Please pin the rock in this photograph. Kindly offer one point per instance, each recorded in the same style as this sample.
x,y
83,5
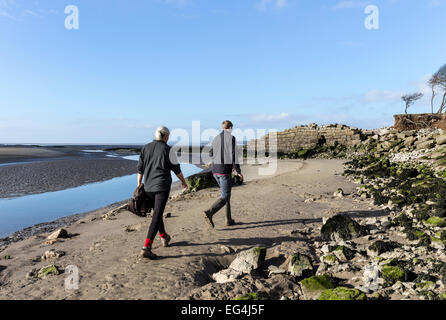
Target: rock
x,y
409,141
227,275
425,285
440,140
393,274
272,270
338,193
58,234
322,269
341,227
245,262
51,269
330,260
379,247
342,293
344,253
227,249
436,221
313,286
254,296
167,215
52,254
425,145
300,266
50,242
249,260
32,274
201,181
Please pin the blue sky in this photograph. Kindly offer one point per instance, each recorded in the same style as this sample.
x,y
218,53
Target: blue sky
x,y
273,64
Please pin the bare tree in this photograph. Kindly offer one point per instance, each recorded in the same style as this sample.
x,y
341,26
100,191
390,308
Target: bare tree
x,y
438,83
409,99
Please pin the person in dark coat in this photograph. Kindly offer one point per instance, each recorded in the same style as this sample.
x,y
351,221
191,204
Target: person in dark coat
x,y
155,163
224,162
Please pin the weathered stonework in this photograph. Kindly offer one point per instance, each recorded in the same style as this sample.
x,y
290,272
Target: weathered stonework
x,y
305,137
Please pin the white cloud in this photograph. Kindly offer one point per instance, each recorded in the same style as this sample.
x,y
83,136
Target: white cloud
x,y
262,117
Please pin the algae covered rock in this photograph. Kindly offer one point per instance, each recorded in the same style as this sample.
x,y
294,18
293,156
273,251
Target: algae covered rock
x,y
379,247
342,293
344,253
436,221
300,266
397,270
51,269
341,227
202,180
253,296
313,286
330,259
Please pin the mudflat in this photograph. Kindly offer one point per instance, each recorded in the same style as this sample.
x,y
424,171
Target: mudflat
x,y
32,170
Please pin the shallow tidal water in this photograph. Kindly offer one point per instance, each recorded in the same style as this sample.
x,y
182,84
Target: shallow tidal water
x,y
22,212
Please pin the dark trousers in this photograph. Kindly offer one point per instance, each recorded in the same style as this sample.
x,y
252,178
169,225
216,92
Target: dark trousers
x,y
157,224
225,183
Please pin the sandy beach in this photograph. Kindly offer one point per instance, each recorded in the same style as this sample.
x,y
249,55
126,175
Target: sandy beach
x,y
282,212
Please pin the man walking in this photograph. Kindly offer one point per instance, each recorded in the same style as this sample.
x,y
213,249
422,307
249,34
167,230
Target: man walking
x,y
223,154
155,163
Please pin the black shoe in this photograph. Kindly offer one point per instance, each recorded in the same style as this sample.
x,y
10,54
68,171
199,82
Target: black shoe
x,y
208,220
230,222
166,241
147,253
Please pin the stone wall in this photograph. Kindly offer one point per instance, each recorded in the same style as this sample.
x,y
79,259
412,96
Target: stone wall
x,y
419,121
305,137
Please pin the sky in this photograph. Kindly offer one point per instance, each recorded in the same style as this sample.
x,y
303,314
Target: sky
x,y
263,64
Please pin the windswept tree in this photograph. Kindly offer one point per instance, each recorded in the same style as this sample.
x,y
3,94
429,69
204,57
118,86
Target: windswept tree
x,y
409,99
438,85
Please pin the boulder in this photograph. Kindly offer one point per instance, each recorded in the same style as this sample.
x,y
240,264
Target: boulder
x,y
51,269
52,254
330,260
342,293
425,145
300,266
380,246
409,141
201,181
341,227
227,275
249,260
58,234
313,286
245,262
344,253
339,193
440,140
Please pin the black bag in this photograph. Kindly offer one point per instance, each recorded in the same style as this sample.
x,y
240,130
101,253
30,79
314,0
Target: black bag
x,y
237,181
141,203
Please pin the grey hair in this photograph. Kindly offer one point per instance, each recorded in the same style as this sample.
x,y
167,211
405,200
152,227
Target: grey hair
x,y
161,132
